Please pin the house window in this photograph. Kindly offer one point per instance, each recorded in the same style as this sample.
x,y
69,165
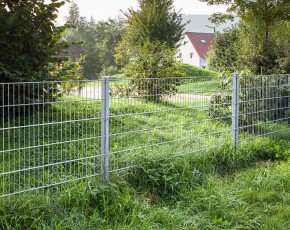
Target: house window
x,y
203,41
191,55
180,55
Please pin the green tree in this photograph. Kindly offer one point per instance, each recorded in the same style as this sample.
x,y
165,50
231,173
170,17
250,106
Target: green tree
x,y
98,40
28,38
149,46
260,19
223,55
73,23
154,21
29,44
109,35
153,72
261,58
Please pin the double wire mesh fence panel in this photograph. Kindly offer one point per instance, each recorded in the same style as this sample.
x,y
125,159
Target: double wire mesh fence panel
x,y
264,107
50,134
55,133
163,118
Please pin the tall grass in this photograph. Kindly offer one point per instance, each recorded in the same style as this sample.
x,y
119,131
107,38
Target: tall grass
x,y
223,189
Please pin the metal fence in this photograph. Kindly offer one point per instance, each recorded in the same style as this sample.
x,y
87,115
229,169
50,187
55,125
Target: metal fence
x,y
54,133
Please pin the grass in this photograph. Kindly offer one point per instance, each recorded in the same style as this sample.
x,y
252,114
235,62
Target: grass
x,y
202,86
189,193
216,188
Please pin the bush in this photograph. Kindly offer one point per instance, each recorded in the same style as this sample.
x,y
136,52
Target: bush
x,y
220,107
153,72
194,71
18,98
262,98
109,71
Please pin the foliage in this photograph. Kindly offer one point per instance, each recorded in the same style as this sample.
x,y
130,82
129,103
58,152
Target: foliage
x,y
98,40
58,70
29,44
261,58
273,100
154,21
220,107
110,71
188,70
209,200
153,72
256,96
262,49
223,55
148,48
29,38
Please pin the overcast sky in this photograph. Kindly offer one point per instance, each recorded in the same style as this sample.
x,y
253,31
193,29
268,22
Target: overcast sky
x,y
103,9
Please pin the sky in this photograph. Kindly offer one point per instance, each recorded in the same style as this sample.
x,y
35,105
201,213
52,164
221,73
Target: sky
x,y
103,9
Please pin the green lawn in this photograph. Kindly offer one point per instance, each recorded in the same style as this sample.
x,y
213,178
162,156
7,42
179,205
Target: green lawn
x,y
203,86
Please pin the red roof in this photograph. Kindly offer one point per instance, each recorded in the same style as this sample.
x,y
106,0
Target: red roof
x,y
201,42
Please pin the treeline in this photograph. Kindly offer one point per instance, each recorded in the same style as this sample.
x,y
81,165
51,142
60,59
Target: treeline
x,y
98,41
259,43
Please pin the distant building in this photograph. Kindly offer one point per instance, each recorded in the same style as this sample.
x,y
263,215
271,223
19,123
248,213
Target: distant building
x,y
194,48
73,51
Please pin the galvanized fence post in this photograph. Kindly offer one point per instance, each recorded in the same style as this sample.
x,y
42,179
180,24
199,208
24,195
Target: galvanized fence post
x,y
235,109
105,127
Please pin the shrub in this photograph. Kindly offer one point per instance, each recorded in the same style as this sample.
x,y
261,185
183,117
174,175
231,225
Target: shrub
x,y
220,107
262,98
194,71
153,73
18,98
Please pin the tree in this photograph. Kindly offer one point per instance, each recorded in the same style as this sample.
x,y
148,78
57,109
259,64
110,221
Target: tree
x,y
73,23
261,58
98,40
28,37
148,47
109,35
154,21
260,19
29,44
223,55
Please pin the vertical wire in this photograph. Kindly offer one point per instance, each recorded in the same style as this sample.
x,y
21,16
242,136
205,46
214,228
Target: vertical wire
x,y
38,132
3,138
54,141
66,108
29,133
14,135
53,157
86,134
58,112
49,148
73,124
43,133
93,145
8,134
35,134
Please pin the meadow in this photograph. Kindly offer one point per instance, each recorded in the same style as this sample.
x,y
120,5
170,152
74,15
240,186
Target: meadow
x,y
187,174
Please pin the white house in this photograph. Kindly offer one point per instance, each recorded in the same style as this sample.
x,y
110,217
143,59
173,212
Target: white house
x,y
194,48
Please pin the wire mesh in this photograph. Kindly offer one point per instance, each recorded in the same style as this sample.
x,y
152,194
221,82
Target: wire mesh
x,y
163,118
52,131
264,107
50,134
